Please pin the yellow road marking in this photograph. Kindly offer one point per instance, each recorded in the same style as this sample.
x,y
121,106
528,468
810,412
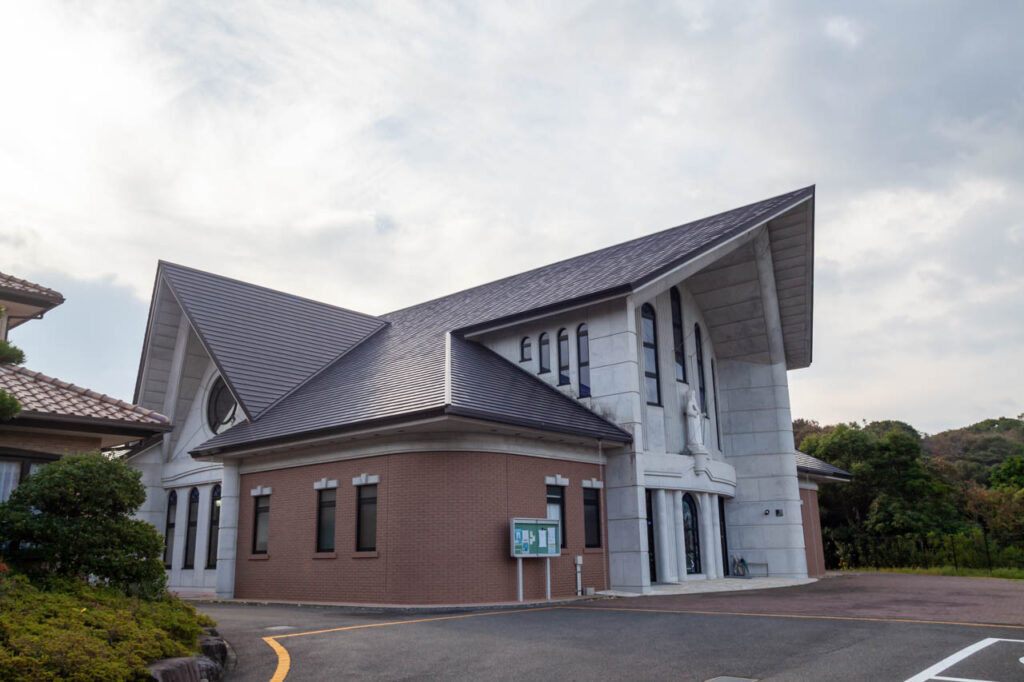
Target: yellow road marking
x,y
794,615
284,660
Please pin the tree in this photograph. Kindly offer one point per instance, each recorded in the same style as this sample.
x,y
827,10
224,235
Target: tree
x,y
9,355
1009,474
72,518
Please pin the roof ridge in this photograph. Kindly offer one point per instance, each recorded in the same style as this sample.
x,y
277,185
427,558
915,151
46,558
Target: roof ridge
x,y
86,392
225,278
41,290
596,251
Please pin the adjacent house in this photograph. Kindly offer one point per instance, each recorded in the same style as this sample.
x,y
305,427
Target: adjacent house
x,y
57,418
636,394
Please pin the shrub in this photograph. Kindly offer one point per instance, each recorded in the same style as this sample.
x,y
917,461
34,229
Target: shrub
x,y
74,631
72,519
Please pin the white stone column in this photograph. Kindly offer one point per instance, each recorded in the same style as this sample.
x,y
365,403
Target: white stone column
x,y
707,532
716,529
664,539
677,519
227,540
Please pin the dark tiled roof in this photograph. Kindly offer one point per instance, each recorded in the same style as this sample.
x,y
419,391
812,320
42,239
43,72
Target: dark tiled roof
x,y
401,369
45,396
9,283
265,342
812,465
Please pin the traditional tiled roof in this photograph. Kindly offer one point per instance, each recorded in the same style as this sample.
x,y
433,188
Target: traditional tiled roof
x,y
404,368
22,286
44,396
812,465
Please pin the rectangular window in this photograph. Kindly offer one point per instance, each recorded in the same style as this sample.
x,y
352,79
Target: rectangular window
x,y
366,519
556,509
677,336
10,476
325,505
261,525
592,516
583,359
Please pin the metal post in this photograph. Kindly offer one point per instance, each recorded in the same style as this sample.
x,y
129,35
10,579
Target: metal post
x,y
519,570
547,571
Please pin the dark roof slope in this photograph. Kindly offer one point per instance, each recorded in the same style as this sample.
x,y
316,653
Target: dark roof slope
x,y
812,465
487,386
265,342
400,371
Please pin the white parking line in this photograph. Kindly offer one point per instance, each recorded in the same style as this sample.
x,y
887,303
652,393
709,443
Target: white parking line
x,y
932,673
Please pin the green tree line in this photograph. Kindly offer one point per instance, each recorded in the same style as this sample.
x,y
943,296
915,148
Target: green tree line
x,y
956,498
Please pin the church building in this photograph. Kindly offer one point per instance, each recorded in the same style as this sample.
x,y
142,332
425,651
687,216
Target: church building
x,y
637,395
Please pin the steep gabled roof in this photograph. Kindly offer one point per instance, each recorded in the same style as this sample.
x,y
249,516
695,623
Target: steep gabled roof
x,y
265,342
401,372
42,396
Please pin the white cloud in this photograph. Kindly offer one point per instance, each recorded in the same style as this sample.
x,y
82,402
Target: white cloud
x,y
375,156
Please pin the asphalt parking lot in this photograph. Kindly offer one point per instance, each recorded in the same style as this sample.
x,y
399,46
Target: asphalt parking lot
x,y
864,627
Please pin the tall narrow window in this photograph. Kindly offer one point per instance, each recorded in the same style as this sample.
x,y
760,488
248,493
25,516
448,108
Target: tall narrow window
x,y
366,519
691,534
592,517
583,359
525,349
191,528
563,357
261,524
172,512
714,396
544,349
214,535
325,504
701,385
556,509
677,336
650,341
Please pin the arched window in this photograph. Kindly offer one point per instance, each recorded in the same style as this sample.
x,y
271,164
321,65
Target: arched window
x,y
583,359
563,357
525,349
221,406
701,385
691,534
545,353
172,512
677,335
190,529
650,340
214,535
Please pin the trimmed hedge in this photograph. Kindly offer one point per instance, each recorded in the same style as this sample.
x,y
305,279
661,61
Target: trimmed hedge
x,y
73,631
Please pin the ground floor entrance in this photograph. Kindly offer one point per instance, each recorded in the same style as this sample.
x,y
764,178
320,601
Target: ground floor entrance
x,y
686,536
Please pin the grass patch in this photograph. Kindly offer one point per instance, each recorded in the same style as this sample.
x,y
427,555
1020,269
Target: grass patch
x,y
69,630
1011,573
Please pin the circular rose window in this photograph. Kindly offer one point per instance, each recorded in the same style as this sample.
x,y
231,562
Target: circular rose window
x,y
220,410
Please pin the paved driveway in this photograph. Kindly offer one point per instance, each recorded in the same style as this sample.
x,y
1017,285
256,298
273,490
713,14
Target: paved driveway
x,y
864,627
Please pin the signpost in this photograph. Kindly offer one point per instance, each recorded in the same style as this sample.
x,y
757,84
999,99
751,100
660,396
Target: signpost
x,y
534,538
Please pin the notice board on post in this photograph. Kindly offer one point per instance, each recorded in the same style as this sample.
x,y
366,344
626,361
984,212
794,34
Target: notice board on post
x,y
532,538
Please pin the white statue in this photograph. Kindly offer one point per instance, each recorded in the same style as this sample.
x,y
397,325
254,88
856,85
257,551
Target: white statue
x,y
694,423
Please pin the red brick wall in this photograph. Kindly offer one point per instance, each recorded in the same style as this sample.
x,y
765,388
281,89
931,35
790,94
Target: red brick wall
x,y
442,531
812,533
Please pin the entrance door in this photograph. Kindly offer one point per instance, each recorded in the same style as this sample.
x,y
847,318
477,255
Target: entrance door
x,y
725,540
650,537
691,533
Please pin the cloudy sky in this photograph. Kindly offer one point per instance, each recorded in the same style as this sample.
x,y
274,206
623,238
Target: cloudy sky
x,y
374,156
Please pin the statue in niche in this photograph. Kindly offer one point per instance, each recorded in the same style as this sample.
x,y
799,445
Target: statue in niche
x,y
694,423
